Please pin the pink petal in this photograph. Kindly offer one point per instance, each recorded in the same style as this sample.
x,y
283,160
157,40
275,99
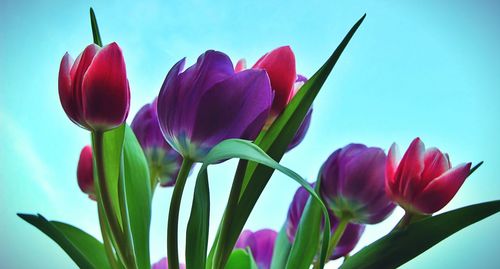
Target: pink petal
x,y
240,65
441,190
106,94
407,177
391,167
280,66
65,91
436,163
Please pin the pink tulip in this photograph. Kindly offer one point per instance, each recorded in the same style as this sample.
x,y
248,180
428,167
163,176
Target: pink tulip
x,y
94,89
423,181
85,172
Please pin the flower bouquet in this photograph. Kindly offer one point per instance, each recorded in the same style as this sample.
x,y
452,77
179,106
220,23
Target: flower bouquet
x,y
211,112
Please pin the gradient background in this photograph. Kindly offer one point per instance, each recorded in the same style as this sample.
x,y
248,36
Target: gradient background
x,y
415,68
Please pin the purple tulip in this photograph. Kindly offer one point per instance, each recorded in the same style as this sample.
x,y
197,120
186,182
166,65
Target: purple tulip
x,y
261,244
353,184
347,242
163,160
208,103
163,264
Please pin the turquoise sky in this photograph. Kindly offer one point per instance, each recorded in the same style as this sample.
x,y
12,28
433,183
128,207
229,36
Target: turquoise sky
x,y
415,68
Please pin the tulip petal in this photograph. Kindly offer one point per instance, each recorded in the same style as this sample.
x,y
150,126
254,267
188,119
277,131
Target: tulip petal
x,y
390,169
410,169
85,172
240,65
66,95
436,163
441,190
280,66
302,131
106,93
230,109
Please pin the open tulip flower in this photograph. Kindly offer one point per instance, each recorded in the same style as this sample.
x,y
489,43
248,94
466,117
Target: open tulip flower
x,y
261,245
94,89
164,162
208,103
423,181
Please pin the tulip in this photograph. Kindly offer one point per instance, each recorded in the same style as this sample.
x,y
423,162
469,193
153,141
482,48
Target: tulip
x,y
261,244
85,172
280,66
94,89
423,181
353,184
209,102
349,238
163,264
163,160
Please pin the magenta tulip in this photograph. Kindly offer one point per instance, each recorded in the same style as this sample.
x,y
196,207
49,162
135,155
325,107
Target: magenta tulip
x,y
85,172
94,89
423,181
163,264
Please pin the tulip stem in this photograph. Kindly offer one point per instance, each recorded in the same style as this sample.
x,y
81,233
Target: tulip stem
x,y
107,240
104,200
334,240
173,214
221,254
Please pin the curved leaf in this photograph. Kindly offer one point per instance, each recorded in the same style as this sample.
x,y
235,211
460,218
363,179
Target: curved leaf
x,y
281,250
82,248
400,246
240,259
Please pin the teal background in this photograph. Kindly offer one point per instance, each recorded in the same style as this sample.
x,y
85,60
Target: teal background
x,y
415,68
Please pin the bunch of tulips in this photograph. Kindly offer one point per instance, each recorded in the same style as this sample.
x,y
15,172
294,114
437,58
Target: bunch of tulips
x,y
213,111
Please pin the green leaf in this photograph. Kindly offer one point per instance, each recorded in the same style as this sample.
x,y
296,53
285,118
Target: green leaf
x,y
240,259
242,149
197,229
82,248
281,249
95,28
307,237
400,246
276,140
137,193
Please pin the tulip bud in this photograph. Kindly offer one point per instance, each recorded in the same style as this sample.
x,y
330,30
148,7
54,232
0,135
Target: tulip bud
x,y
163,264
261,244
423,181
209,102
85,172
353,184
164,162
94,89
349,238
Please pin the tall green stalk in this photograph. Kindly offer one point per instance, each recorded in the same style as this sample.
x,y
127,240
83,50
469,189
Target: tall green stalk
x,y
173,214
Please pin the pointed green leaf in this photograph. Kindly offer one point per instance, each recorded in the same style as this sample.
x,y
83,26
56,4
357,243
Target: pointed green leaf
x,y
240,259
400,246
82,248
95,28
137,193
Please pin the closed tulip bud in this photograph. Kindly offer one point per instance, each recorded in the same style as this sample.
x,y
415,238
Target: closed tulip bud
x,y
261,244
280,66
349,238
208,103
94,89
85,172
163,264
163,160
423,181
353,184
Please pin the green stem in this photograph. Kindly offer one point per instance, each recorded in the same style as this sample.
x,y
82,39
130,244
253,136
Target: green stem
x,y
334,240
221,253
173,214
106,201
107,241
